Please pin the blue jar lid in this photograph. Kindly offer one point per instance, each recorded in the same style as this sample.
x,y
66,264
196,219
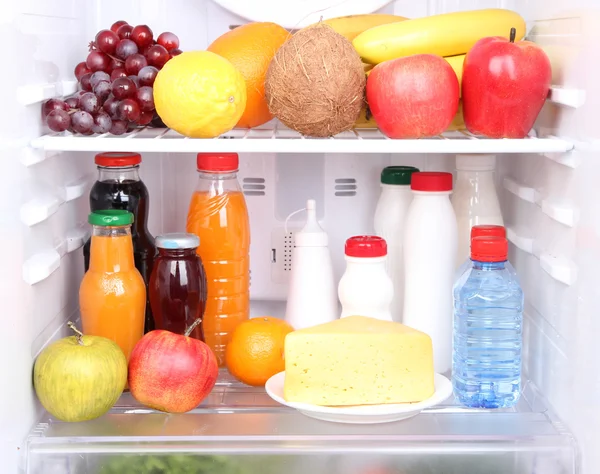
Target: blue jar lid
x,y
177,241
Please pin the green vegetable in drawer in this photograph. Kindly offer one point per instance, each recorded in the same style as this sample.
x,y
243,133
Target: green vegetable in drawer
x,y
170,464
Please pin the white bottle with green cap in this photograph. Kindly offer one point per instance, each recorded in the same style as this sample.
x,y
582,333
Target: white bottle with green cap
x,y
392,206
312,295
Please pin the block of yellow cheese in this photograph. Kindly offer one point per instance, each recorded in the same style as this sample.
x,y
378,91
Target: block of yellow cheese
x,y
358,361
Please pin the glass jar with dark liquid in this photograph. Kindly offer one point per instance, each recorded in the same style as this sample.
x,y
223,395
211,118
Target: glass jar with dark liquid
x,y
178,285
119,187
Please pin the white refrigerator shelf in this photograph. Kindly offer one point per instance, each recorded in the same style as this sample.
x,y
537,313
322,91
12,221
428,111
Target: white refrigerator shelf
x,y
242,423
277,139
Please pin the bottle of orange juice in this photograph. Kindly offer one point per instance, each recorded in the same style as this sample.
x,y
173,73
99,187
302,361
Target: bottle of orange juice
x,y
112,295
219,216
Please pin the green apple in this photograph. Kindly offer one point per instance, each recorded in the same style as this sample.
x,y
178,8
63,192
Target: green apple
x,y
80,378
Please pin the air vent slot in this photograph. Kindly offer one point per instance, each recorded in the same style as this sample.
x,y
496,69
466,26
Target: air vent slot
x,y
345,187
254,186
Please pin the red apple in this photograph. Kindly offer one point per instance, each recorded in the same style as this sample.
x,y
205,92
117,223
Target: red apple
x,y
413,97
504,87
170,372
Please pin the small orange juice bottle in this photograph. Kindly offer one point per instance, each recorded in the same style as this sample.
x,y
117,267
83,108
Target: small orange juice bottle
x,y
112,295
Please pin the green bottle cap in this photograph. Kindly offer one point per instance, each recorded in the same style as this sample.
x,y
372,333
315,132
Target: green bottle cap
x,y
111,218
399,175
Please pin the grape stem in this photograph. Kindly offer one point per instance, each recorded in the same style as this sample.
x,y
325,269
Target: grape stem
x,y
78,333
92,47
115,58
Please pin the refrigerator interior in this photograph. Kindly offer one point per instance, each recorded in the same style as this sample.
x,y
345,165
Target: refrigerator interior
x,y
547,191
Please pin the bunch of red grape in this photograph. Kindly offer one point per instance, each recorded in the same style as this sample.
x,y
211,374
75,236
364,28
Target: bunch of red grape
x,y
116,82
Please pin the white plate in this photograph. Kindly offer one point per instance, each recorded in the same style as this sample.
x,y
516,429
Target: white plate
x,y
299,13
365,414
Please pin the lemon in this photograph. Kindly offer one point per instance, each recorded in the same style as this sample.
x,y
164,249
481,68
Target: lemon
x,y
199,94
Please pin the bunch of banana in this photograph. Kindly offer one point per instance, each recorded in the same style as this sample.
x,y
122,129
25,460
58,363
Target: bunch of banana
x,y
365,119
353,25
458,123
449,34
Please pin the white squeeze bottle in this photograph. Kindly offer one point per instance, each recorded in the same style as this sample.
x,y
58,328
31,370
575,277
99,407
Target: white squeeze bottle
x,y
365,289
474,199
390,214
311,295
429,255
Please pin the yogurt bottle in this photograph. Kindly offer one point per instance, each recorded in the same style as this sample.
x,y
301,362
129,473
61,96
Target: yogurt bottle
x,y
390,215
429,253
366,289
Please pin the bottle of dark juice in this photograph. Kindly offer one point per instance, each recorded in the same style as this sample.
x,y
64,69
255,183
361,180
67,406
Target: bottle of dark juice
x,y
119,187
178,284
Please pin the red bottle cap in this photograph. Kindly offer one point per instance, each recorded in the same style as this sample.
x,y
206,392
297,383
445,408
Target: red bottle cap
x,y
117,159
217,162
432,181
488,231
489,249
366,246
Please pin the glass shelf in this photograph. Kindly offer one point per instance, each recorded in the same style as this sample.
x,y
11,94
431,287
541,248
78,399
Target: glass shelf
x,y
240,430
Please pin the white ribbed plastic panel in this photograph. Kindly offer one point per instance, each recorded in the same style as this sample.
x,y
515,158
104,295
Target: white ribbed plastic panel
x,y
278,139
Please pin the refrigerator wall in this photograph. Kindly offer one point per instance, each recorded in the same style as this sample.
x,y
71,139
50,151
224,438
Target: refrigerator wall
x,y
548,200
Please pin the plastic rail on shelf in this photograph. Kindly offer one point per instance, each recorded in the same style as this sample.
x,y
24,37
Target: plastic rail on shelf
x,y
567,97
34,93
279,139
41,265
560,211
559,267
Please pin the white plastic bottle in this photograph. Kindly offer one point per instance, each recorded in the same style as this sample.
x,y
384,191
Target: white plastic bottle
x,y
474,199
366,289
311,294
390,213
429,263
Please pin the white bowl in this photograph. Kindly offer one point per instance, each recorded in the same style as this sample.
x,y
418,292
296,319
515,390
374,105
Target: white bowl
x,y
297,14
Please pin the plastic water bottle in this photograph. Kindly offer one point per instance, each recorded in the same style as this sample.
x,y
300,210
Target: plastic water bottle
x,y
484,231
488,322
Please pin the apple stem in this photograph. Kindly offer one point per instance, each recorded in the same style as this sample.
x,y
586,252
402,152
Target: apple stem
x,y
513,34
192,327
78,333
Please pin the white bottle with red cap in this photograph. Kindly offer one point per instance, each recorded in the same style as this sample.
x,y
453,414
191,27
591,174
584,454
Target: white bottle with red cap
x,y
366,288
430,240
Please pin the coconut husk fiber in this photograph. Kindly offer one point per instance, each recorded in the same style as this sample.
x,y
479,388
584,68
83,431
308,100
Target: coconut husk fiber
x,y
315,83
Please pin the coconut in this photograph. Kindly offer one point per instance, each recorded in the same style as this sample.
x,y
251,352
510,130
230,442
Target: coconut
x,y
315,83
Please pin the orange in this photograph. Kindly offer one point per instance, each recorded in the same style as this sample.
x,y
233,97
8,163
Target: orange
x,y
250,49
255,351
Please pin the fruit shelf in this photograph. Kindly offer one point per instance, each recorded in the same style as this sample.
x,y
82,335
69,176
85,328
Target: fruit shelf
x,y
275,138
241,426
